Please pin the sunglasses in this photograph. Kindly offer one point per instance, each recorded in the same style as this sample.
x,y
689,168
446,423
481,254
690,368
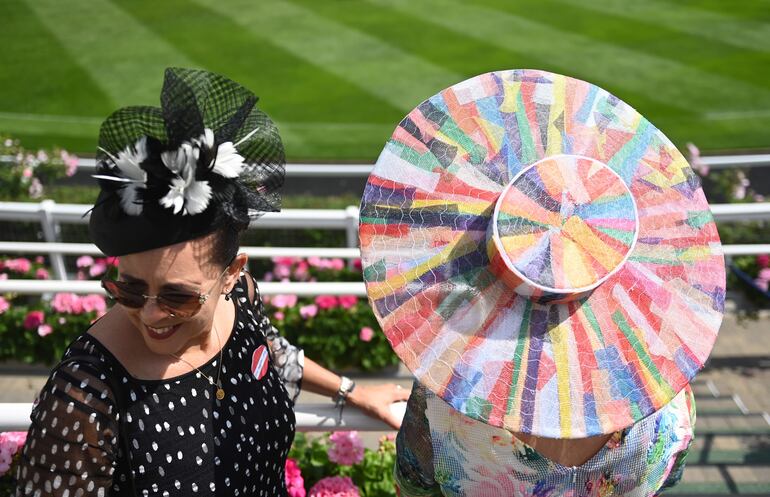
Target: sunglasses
x,y
177,303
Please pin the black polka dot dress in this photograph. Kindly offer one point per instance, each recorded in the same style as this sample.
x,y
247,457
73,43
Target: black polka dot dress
x,y
181,439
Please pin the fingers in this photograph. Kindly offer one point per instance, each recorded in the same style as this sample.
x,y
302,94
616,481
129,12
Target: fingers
x,y
390,419
401,394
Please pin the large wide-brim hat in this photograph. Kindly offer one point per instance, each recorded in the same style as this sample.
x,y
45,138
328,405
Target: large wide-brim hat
x,y
541,256
206,159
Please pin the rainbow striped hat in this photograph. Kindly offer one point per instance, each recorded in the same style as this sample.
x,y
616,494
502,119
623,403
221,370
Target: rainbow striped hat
x,y
541,256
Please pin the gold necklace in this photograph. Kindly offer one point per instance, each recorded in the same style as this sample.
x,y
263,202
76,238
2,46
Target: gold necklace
x,y
220,393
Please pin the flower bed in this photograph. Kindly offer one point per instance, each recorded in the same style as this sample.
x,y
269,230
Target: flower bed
x,y
339,331
330,465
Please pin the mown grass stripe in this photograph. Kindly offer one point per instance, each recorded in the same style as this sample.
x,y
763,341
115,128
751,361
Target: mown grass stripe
x,y
749,34
38,75
124,58
612,67
395,76
289,87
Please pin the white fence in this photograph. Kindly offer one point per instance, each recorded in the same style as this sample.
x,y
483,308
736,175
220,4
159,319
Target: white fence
x,y
358,170
50,215
310,417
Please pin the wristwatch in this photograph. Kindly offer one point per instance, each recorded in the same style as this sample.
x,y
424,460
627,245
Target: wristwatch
x,y
346,387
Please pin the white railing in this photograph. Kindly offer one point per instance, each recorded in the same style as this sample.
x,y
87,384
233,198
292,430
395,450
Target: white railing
x,y
50,215
358,170
310,417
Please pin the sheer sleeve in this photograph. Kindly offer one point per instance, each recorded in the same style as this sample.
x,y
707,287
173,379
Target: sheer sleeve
x,y
72,443
289,359
413,472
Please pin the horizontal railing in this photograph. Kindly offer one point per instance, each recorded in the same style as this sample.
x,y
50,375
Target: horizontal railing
x,y
51,215
357,170
310,417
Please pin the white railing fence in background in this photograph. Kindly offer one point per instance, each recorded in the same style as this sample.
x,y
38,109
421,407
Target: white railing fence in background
x,y
310,417
51,215
358,170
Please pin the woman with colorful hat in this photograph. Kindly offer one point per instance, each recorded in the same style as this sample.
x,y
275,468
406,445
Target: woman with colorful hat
x,y
184,388
545,262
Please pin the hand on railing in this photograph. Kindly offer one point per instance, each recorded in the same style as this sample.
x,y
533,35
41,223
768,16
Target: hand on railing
x,y
377,401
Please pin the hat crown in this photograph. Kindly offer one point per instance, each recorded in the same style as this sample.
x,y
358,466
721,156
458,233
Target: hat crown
x,y
562,227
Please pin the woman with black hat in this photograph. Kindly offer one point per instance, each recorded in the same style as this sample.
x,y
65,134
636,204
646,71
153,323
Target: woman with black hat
x,y
185,388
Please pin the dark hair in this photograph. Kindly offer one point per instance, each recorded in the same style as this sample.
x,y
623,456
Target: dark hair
x,y
227,241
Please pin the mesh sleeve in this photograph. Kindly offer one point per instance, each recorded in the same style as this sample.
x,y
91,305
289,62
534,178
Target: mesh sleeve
x,y
413,472
72,443
289,359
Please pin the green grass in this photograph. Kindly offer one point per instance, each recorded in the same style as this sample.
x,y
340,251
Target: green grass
x,y
337,76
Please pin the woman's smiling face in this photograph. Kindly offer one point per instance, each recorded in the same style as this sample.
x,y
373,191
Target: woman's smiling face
x,y
186,266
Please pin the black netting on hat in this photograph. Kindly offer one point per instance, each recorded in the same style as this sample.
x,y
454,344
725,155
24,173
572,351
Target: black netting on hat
x,y
207,158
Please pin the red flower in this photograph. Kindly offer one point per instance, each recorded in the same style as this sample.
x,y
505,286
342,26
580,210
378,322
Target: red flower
x,y
326,301
33,319
348,301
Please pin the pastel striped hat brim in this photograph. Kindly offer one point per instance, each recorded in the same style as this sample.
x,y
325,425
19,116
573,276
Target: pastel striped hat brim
x,y
541,256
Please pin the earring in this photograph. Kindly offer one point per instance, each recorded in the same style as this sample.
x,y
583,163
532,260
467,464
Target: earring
x,y
227,296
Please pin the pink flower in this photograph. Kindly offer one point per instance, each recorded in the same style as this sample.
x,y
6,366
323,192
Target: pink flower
x,y
337,264
366,334
70,162
98,268
42,274
301,272
10,443
44,330
268,277
295,484
27,172
283,301
334,486
764,274
62,320
763,260
35,188
84,261
4,305
93,302
284,261
326,301
33,319
67,303
3,276
20,265
278,315
113,261
282,271
346,448
348,301
697,163
308,311
314,261
40,259
763,285
357,264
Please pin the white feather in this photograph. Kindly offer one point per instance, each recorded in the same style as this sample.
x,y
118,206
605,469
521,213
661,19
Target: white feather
x,y
251,133
228,163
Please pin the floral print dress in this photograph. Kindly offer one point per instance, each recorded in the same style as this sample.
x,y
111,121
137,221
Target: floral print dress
x,y
444,453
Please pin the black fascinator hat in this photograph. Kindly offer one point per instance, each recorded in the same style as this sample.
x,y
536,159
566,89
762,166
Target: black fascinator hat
x,y
206,159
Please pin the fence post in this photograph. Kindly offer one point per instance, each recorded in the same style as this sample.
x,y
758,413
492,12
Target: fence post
x,y
51,231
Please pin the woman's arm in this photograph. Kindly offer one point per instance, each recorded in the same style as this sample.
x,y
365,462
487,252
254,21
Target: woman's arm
x,y
374,400
72,443
298,371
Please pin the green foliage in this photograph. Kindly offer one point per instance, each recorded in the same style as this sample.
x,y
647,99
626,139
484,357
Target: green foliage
x,y
25,177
